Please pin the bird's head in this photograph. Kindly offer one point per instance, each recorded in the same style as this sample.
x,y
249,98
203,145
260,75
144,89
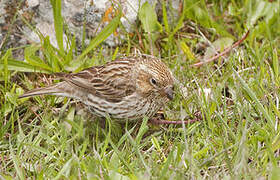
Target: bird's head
x,y
154,79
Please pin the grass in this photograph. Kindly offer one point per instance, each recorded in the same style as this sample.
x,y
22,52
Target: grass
x,y
238,136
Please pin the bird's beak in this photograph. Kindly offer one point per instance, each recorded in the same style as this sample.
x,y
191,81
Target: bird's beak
x,y
169,92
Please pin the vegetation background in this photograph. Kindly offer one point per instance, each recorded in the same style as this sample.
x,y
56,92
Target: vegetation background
x,y
237,97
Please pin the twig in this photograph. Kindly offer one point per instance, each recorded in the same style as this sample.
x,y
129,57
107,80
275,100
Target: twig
x,y
224,52
140,39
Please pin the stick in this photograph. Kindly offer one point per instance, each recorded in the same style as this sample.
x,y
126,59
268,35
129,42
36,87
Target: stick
x,y
222,53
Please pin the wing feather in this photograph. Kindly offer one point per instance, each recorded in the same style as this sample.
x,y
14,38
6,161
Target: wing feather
x,y
112,82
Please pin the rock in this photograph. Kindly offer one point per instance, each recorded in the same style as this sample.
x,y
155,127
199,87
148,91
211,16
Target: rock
x,y
32,3
46,29
94,14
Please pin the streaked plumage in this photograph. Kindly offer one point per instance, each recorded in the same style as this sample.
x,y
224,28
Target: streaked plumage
x,y
127,88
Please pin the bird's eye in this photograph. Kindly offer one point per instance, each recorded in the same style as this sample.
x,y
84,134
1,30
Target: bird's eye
x,y
153,81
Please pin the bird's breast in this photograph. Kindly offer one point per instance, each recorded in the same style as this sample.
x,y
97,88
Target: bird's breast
x,y
133,107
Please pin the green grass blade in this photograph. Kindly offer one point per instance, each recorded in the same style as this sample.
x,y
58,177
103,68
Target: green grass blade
x,y
58,23
23,67
40,149
148,18
166,164
121,157
52,56
5,66
107,31
16,162
165,17
259,106
142,130
32,59
65,168
136,147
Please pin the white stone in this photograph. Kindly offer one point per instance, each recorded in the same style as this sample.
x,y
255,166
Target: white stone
x,y
33,3
47,30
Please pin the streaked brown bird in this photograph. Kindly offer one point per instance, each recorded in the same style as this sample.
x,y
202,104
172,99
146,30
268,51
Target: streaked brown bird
x,y
128,88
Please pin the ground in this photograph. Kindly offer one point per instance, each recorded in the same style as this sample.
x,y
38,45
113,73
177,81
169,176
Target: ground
x,y
234,98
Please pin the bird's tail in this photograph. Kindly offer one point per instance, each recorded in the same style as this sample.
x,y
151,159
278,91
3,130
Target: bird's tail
x,y
59,89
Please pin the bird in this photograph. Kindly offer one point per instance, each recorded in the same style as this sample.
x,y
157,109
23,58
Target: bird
x,y
128,88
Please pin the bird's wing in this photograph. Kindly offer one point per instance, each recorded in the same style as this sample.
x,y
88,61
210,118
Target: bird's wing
x,y
112,82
